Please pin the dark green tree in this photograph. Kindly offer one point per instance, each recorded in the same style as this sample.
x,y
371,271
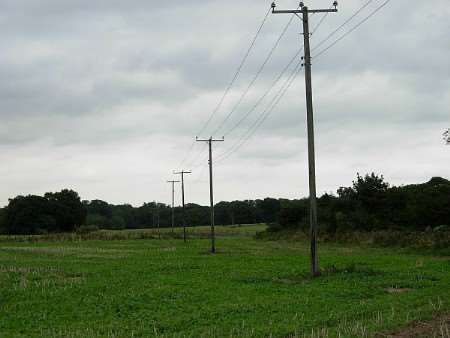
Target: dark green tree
x,y
29,215
66,207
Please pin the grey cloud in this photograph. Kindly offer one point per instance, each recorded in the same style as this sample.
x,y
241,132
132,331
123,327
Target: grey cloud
x,y
94,82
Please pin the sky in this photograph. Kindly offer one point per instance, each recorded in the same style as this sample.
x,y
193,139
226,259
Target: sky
x,y
106,97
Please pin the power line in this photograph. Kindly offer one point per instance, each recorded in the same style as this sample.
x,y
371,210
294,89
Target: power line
x,y
230,85
201,173
201,162
342,25
263,116
320,22
258,73
238,71
188,153
352,29
250,129
261,99
194,161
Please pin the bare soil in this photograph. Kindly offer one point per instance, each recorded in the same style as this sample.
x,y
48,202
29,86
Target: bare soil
x,y
438,327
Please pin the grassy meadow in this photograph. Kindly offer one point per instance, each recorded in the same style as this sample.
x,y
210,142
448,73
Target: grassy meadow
x,y
132,284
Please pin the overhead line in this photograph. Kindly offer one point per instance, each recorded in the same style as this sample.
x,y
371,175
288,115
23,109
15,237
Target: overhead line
x,y
264,95
238,71
320,22
342,25
191,163
252,82
263,116
230,85
352,29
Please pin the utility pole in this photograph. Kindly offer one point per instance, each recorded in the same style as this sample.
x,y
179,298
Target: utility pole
x,y
211,192
157,222
182,173
173,202
305,11
155,215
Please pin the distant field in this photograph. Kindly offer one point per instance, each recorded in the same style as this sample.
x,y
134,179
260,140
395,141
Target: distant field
x,y
194,232
250,288
204,231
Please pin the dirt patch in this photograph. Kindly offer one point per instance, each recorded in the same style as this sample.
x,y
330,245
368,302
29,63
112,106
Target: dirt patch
x,y
397,290
436,328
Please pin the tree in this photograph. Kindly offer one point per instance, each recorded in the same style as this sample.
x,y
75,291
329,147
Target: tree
x,y
370,190
270,207
67,209
2,220
29,215
61,211
98,207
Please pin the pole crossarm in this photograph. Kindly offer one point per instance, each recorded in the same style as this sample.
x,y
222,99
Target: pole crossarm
x,y
182,172
299,11
210,139
303,9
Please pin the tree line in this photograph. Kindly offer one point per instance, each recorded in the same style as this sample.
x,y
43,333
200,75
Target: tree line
x,y
368,204
372,204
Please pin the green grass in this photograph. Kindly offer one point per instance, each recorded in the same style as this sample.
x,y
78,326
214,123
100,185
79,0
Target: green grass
x,y
165,288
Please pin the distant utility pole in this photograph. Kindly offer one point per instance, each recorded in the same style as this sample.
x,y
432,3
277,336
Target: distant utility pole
x,y
211,192
157,223
173,202
182,173
155,215
310,121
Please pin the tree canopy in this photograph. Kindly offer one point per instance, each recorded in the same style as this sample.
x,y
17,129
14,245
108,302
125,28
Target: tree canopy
x,y
54,212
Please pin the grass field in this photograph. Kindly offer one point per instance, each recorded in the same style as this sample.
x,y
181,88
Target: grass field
x,y
250,288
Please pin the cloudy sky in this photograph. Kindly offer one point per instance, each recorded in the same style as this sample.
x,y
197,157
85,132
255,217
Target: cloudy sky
x,y
106,97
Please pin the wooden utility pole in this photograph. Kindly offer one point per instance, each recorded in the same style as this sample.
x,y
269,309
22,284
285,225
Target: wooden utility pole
x,y
182,173
304,11
157,223
155,215
173,202
211,192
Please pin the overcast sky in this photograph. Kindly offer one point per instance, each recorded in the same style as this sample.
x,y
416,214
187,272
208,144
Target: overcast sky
x,y
106,97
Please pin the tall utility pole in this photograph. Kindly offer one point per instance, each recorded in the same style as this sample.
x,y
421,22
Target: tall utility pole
x,y
173,202
211,192
182,173
305,11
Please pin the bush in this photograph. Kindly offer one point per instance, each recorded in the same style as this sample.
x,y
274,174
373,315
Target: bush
x,y
87,229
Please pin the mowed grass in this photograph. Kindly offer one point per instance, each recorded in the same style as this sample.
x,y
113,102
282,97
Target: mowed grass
x,y
250,288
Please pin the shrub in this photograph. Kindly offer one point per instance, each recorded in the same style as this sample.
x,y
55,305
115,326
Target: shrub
x,y
87,229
